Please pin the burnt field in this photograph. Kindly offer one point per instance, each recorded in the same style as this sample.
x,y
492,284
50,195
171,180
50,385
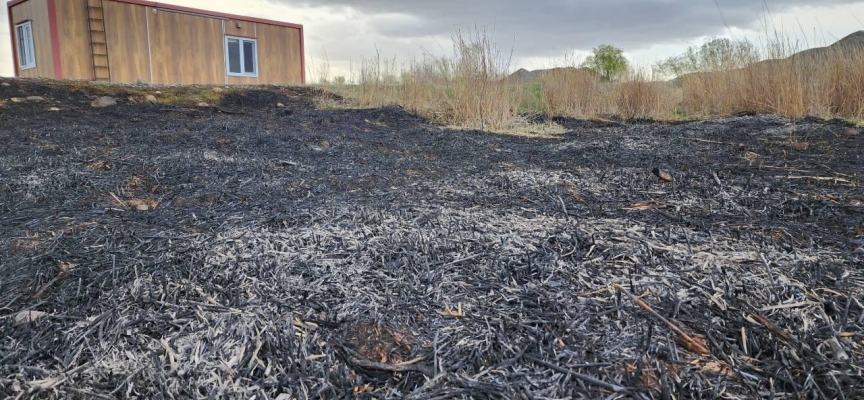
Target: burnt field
x,y
251,251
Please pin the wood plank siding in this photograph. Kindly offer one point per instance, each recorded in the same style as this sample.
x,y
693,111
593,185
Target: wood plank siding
x,y
241,80
76,59
128,50
186,49
153,42
279,54
36,11
248,29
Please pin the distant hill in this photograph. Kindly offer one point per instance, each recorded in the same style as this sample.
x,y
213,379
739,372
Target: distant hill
x,y
850,43
853,42
523,75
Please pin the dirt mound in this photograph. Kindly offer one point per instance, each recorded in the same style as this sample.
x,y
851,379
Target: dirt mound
x,y
294,98
154,251
22,88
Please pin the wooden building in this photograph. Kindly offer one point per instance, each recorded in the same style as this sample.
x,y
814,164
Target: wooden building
x,y
131,41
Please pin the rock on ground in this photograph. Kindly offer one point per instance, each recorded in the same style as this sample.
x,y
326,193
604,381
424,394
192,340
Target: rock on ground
x,y
103,101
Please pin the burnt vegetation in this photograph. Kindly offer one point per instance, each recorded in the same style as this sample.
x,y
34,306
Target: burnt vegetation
x,y
245,249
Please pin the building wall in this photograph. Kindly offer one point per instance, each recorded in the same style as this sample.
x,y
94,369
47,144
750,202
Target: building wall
x,y
37,12
279,54
241,80
76,58
128,47
249,29
186,49
148,43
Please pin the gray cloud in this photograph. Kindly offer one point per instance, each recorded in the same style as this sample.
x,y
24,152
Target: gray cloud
x,y
548,27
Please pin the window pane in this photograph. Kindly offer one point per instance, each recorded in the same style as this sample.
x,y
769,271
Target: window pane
x,y
28,34
234,56
22,49
249,57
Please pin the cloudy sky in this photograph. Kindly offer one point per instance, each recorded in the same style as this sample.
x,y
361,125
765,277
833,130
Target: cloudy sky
x,y
539,32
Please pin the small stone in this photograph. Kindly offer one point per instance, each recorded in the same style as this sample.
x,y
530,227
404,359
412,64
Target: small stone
x,y
218,90
150,99
35,98
202,104
280,105
28,316
55,109
852,132
157,92
325,144
142,207
103,101
662,175
5,84
131,99
16,100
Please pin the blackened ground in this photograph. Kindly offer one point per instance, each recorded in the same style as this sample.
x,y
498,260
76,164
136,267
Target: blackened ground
x,y
244,250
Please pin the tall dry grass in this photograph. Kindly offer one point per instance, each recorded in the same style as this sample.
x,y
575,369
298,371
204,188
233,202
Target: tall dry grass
x,y
827,84
476,91
466,88
574,92
469,87
640,96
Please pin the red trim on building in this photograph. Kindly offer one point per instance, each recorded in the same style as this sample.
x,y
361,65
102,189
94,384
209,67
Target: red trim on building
x,y
173,7
12,37
55,39
302,56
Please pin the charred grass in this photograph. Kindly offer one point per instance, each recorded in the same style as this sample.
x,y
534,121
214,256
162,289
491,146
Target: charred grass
x,y
368,253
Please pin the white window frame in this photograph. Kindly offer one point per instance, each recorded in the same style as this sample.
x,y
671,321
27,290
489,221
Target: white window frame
x,y
242,57
30,47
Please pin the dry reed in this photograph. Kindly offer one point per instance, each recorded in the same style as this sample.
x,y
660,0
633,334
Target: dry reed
x,y
469,87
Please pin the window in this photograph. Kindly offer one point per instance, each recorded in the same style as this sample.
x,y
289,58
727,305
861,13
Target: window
x,y
241,56
24,41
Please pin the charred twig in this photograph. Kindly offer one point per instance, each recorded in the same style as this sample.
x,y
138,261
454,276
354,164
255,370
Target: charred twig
x,y
835,179
589,379
687,340
407,366
710,141
771,326
231,112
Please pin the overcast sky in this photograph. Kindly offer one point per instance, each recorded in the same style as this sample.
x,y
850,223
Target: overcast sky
x,y
539,32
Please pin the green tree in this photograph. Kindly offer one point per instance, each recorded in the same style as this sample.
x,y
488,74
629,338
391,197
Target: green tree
x,y
716,54
608,62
